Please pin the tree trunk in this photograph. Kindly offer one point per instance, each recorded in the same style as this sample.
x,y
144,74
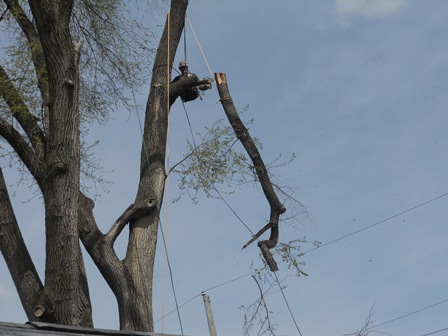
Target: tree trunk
x,y
143,231
67,300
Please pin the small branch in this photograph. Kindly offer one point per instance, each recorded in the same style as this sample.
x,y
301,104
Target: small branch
x,y
78,51
258,234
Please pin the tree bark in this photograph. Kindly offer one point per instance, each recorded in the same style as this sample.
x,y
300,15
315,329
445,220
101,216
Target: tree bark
x,y
24,274
65,284
141,250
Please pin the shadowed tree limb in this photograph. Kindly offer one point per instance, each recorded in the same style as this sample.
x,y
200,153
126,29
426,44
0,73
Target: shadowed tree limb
x,y
22,148
19,110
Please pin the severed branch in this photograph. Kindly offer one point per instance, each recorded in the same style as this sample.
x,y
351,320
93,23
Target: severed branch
x,y
134,211
183,84
242,133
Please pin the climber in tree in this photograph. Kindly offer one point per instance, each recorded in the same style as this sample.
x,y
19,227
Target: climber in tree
x,y
191,93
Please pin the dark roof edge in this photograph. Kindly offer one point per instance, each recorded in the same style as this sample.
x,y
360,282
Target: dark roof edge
x,y
75,329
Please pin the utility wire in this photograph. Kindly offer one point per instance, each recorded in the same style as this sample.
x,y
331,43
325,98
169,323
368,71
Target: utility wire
x,y
331,242
207,290
411,313
287,304
171,277
435,332
375,224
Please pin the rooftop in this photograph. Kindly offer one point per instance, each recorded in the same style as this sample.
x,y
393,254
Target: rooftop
x,y
39,329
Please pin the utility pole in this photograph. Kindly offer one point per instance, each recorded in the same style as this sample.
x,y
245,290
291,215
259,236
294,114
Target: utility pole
x,y
208,311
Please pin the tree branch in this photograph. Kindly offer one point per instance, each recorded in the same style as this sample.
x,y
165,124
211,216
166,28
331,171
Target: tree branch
x,y
242,133
20,111
134,211
34,45
23,273
183,84
98,247
23,150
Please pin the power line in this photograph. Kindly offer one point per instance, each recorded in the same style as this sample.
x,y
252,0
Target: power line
x,y
435,332
377,223
328,243
411,313
287,304
171,277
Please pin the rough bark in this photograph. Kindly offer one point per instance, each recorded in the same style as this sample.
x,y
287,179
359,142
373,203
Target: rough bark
x,y
65,283
143,231
24,274
242,133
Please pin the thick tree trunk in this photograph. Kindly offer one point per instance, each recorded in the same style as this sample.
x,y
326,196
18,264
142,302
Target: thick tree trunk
x,y
136,313
65,284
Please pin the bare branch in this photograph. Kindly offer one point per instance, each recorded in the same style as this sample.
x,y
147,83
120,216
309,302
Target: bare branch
x,y
21,147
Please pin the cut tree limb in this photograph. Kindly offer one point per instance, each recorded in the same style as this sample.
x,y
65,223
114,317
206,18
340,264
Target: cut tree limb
x,y
242,133
134,211
183,84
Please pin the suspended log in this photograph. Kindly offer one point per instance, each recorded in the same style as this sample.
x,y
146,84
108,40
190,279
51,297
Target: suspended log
x,y
242,133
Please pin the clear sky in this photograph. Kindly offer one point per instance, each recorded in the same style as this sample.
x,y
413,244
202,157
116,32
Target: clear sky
x,y
357,90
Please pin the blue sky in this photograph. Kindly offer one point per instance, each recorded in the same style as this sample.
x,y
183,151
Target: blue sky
x,y
357,90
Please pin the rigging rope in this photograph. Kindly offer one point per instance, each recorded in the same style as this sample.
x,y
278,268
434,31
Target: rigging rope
x,y
185,43
200,48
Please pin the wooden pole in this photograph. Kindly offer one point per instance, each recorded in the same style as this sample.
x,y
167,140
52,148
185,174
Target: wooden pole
x,y
208,311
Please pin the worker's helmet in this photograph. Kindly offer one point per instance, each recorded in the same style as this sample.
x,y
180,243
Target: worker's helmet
x,y
182,64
